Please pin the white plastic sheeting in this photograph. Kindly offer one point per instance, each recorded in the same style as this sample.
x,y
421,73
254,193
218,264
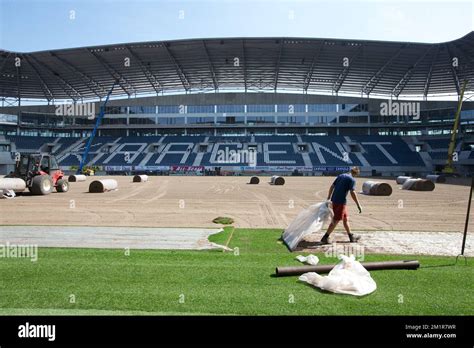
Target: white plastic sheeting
x,y
347,277
7,194
311,259
310,220
401,179
436,178
407,185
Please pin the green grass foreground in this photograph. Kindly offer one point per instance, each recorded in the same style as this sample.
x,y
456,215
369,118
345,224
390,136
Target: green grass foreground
x,y
215,282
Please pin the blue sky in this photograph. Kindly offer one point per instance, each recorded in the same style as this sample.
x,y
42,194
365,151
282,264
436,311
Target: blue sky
x,y
32,25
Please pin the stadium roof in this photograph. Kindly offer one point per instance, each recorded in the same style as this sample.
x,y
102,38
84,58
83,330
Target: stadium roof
x,y
304,65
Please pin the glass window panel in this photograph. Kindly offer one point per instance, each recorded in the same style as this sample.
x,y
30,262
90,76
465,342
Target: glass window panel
x,y
230,108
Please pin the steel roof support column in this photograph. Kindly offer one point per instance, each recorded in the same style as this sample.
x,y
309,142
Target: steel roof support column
x,y
342,76
59,77
86,78
466,58
278,62
374,80
244,65
211,67
309,75
44,86
179,70
453,71
430,73
112,72
397,90
149,75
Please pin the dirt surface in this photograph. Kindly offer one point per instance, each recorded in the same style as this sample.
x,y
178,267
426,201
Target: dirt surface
x,y
387,224
390,242
181,201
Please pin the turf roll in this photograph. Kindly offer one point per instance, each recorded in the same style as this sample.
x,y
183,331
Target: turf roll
x,y
277,180
76,178
436,178
105,185
418,185
375,188
14,184
401,179
140,178
254,180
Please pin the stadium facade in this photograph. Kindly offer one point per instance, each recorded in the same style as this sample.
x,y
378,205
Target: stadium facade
x,y
307,106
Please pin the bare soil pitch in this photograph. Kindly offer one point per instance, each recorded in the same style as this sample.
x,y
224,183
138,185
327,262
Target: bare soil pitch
x,y
180,201
183,201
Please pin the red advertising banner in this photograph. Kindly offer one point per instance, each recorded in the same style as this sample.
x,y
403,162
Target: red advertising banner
x,y
187,168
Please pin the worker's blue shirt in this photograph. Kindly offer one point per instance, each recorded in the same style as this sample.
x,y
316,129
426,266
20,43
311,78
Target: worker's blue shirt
x,y
342,185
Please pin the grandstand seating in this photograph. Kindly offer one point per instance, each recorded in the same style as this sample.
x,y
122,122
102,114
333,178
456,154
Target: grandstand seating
x,y
273,150
395,146
329,151
63,144
32,144
438,143
439,155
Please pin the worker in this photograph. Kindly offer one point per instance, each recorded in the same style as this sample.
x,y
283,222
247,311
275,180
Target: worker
x,y
343,184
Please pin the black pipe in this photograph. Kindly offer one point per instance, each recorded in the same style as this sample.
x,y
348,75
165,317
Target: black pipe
x,y
370,266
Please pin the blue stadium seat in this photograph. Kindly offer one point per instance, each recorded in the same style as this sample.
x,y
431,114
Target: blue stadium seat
x,y
32,144
331,149
439,155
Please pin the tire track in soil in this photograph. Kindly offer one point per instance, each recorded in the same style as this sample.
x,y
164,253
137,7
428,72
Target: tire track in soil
x,y
97,217
135,192
162,191
382,222
130,217
269,212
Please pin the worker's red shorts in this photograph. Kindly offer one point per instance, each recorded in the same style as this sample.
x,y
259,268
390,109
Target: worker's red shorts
x,y
340,212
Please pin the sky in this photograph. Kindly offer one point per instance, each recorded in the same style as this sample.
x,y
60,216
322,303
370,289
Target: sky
x,y
35,25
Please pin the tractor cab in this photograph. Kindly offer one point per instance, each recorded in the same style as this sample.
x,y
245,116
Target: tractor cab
x,y
41,173
36,163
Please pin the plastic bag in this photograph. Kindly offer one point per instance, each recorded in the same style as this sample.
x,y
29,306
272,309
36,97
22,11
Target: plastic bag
x,y
310,259
347,277
309,221
7,194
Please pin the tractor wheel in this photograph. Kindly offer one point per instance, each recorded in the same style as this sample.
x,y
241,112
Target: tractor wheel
x,y
62,185
41,185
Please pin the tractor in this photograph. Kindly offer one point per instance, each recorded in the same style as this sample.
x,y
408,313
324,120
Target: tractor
x,y
41,173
